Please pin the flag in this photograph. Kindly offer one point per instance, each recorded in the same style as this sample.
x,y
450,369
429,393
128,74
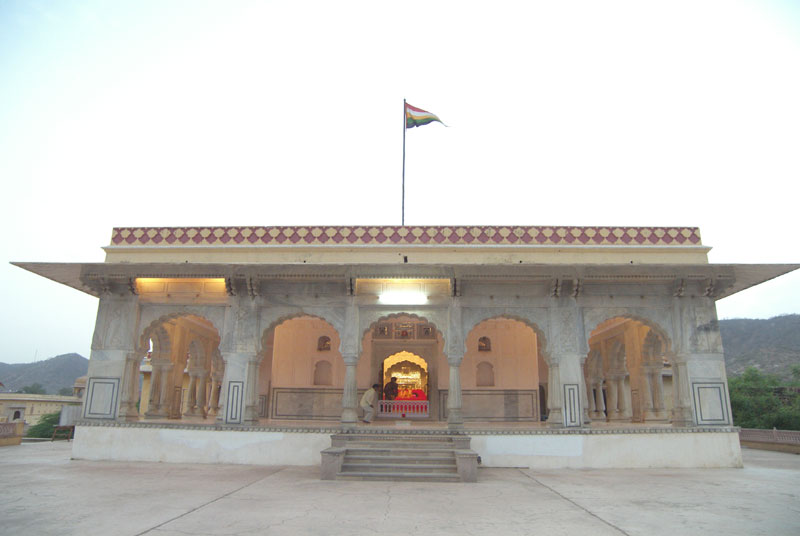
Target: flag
x,y
416,117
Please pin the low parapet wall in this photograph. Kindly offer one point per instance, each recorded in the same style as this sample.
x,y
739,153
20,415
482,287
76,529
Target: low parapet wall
x,y
779,440
11,433
538,449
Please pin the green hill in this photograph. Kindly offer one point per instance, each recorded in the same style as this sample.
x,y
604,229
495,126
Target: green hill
x,y
772,345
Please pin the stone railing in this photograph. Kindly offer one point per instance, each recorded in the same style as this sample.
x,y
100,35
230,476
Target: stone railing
x,y
785,437
403,409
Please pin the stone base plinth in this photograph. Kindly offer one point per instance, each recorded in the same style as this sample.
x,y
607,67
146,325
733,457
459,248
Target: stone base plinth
x,y
539,448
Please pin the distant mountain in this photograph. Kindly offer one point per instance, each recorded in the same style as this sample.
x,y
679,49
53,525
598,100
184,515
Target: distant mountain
x,y
772,345
52,374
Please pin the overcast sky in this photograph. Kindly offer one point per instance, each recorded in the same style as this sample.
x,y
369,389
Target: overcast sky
x,y
166,113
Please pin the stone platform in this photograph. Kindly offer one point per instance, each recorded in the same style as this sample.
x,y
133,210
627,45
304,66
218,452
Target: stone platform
x,y
597,447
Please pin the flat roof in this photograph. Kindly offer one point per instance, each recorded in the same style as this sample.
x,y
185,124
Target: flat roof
x,y
93,278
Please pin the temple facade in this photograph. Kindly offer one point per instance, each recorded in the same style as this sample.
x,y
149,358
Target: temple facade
x,y
525,337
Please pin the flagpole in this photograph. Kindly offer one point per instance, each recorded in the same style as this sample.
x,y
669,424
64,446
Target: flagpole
x,y
403,204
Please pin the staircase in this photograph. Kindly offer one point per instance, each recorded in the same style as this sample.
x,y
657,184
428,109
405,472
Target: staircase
x,y
399,457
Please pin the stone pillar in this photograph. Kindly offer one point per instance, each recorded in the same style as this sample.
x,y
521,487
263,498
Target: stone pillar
x,y
622,401
232,394
658,391
191,404
239,348
350,394
201,393
157,407
165,390
113,343
681,407
584,395
455,419
251,392
130,390
599,403
613,406
555,417
592,402
647,391
216,383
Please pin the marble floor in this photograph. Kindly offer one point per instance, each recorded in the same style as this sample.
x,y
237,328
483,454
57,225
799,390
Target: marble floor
x,y
43,491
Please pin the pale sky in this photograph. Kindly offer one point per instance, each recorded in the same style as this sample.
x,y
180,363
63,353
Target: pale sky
x,y
167,113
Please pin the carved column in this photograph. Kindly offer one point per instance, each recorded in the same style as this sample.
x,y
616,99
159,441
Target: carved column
x,y
166,389
590,390
455,419
156,408
555,417
647,391
191,404
239,348
681,409
201,392
350,394
599,403
113,343
130,389
216,384
251,393
613,393
622,401
658,392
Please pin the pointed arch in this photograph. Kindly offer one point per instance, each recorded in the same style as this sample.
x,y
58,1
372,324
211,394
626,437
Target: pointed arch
x,y
600,316
541,338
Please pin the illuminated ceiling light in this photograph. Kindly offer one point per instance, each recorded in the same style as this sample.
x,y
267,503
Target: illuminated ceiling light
x,y
402,297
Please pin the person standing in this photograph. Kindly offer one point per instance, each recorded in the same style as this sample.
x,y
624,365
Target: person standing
x,y
368,401
391,389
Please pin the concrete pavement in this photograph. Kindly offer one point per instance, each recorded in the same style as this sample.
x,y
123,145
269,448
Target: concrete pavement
x,y
44,492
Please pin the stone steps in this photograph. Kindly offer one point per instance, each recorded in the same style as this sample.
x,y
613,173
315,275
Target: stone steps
x,y
399,477
399,457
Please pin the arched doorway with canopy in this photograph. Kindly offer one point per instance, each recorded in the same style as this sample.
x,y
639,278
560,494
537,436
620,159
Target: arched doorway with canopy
x,y
409,399
410,349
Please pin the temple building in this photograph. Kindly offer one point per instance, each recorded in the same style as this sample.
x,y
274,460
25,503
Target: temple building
x,y
547,346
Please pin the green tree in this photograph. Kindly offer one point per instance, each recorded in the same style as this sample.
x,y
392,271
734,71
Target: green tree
x,y
65,391
34,389
757,401
44,428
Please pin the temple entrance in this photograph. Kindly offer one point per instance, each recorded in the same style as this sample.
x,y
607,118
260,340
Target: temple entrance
x,y
406,386
410,348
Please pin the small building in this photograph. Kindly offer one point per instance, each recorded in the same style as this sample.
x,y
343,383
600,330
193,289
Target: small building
x,y
29,408
549,346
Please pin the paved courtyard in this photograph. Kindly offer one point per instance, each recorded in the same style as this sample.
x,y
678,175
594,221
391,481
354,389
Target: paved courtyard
x,y
44,492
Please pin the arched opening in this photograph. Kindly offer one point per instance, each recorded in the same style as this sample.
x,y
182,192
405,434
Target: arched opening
x,y
179,369
484,376
504,372
406,387
17,416
295,381
627,372
409,348
323,373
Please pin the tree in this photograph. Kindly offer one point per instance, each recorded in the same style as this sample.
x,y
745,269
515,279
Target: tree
x,y
759,400
65,391
45,426
34,389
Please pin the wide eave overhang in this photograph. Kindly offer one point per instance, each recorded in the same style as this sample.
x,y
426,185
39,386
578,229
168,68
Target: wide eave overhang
x,y
99,278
